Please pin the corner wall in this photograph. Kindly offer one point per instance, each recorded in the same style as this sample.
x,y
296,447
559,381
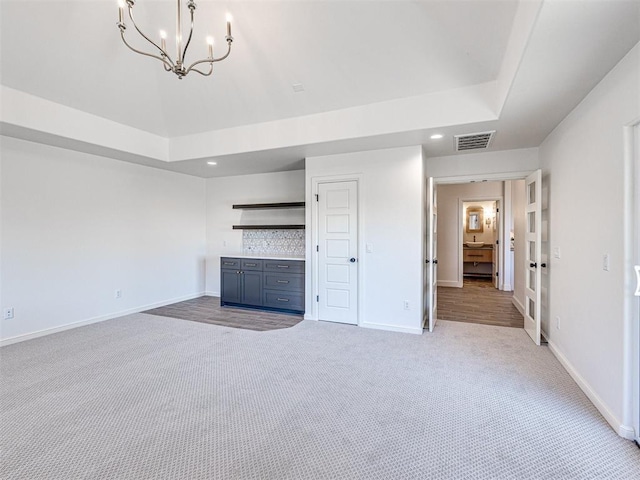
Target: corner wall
x,y
77,227
392,216
583,161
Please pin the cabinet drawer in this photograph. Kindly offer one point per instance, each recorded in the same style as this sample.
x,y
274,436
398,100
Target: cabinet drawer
x,y
230,263
285,266
250,264
480,256
284,281
287,300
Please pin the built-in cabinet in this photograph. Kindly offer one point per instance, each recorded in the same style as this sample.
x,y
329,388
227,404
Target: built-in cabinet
x,y
478,261
271,284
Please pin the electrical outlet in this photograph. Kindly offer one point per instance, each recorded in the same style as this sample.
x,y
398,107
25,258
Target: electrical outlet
x,y
118,294
556,252
8,313
605,262
406,305
557,323
369,248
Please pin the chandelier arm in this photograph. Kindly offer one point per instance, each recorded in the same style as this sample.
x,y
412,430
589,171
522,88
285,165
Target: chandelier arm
x,y
184,52
168,66
166,56
203,73
210,60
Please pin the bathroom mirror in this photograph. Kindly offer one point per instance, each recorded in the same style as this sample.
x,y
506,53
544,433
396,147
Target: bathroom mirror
x,y
475,220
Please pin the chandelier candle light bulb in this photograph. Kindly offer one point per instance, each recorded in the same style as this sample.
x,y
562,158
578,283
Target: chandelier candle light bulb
x,y
179,65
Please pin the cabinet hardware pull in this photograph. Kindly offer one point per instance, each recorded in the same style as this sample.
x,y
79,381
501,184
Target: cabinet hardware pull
x,y
250,264
474,255
283,266
229,263
282,281
283,299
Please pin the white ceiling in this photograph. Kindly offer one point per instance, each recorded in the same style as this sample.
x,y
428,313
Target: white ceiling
x,y
346,54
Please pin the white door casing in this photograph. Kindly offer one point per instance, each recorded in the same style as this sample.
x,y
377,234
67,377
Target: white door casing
x,y
338,251
533,255
432,249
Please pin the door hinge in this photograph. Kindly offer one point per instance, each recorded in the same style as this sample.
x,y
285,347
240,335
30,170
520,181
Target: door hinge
x,y
317,197
497,242
497,210
317,248
317,298
497,273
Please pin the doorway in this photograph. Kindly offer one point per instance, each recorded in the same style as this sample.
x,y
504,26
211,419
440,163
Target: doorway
x,y
479,277
337,251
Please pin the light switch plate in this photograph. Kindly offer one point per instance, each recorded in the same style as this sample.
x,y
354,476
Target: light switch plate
x,y
556,252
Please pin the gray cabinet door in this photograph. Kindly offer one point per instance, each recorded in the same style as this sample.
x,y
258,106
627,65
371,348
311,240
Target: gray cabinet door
x,y
252,288
230,288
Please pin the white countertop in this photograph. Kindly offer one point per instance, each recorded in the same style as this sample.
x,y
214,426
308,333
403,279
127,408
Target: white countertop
x,y
264,257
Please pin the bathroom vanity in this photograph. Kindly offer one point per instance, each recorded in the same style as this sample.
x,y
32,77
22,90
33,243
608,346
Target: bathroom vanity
x,y
477,261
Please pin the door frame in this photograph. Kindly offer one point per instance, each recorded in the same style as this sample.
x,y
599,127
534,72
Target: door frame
x,y
631,328
313,272
499,204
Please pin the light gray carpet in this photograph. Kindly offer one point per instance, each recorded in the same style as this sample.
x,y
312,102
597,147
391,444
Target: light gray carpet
x,y
147,397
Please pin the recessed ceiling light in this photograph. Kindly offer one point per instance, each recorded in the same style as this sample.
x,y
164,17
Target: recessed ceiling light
x,y
436,136
212,163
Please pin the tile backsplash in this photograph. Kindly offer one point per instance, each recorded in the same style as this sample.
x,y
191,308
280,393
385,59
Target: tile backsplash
x,y
287,243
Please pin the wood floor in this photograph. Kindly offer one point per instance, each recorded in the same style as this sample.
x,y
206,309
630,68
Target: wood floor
x,y
208,310
478,302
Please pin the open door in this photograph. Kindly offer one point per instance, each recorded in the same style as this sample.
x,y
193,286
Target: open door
x,y
432,249
497,252
533,254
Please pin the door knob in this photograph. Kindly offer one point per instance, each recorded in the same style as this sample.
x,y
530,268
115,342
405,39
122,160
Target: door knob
x,y
533,265
352,260
435,261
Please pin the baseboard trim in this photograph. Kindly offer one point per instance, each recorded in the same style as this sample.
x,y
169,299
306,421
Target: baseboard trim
x,y
212,294
507,287
623,430
518,305
449,283
392,328
101,318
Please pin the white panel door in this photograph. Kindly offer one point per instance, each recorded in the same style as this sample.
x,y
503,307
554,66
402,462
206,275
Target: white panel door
x,y
432,253
338,252
533,254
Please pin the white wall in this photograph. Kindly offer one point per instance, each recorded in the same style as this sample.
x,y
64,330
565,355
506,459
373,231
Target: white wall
x,y
223,192
76,227
523,160
583,159
391,212
450,222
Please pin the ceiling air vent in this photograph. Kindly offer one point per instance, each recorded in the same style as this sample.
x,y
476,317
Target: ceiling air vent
x,y
473,141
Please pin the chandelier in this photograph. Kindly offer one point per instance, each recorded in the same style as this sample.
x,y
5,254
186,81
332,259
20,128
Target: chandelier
x,y
177,65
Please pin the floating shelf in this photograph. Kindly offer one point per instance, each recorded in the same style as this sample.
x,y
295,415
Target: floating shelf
x,y
265,206
268,227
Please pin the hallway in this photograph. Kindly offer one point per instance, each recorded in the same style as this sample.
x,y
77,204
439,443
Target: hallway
x,y
478,302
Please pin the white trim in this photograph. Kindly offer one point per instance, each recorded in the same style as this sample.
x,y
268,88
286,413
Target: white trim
x,y
212,294
631,306
624,431
101,318
508,287
490,177
518,305
391,328
449,283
